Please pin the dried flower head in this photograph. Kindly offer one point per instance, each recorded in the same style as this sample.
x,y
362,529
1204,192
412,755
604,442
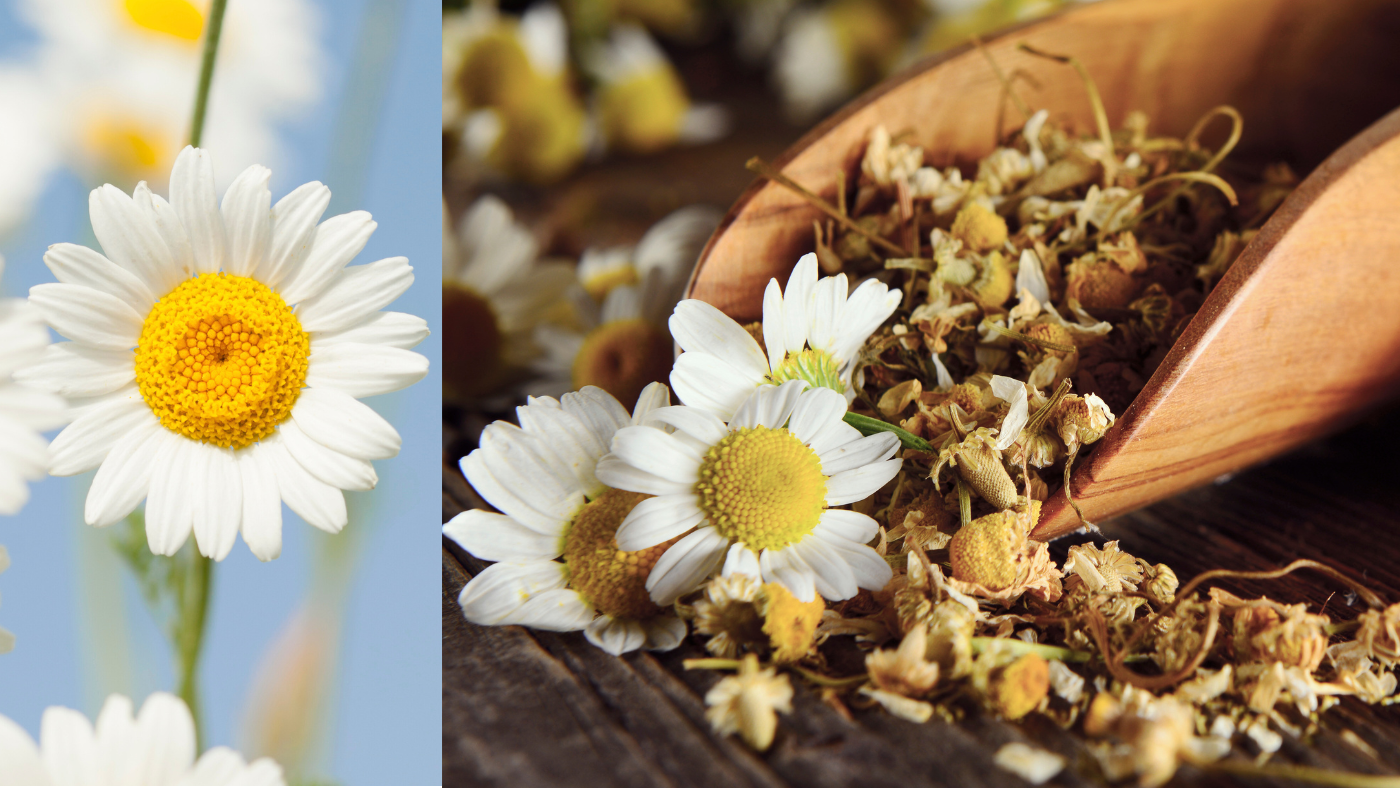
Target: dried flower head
x,y
904,671
748,703
979,228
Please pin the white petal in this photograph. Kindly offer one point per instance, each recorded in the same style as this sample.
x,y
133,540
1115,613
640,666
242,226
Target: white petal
x,y
698,326
344,424
945,378
364,370
615,636
786,567
700,424
319,504
23,763
167,223
70,747
247,216
870,570
664,632
654,396
294,219
124,477
336,242
1013,392
868,449
831,576
326,464
685,565
740,560
656,520
164,745
835,434
797,297
773,326
219,514
354,294
496,537
705,381
74,370
1031,277
193,197
570,441
35,409
22,449
816,410
262,504
87,315
507,483
556,610
845,524
78,265
492,596
179,475
861,483
393,329
658,452
616,473
769,406
599,411
824,314
130,239
84,444
870,305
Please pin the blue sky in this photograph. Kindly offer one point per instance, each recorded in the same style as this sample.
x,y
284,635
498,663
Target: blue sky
x,y
387,696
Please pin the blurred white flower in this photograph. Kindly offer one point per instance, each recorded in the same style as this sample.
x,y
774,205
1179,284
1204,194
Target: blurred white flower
x,y
156,747
24,412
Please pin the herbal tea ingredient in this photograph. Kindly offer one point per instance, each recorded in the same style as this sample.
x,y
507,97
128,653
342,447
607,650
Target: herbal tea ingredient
x,y
1001,322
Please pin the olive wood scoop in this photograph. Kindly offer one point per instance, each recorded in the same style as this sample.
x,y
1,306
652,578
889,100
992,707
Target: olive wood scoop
x,y
1302,334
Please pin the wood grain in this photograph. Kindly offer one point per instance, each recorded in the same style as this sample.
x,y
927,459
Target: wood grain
x,y
1263,367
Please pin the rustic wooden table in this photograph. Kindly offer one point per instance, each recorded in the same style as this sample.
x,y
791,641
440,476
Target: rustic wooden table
x,y
523,708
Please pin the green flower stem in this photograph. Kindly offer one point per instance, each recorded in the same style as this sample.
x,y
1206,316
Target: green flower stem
x,y
189,635
868,426
213,28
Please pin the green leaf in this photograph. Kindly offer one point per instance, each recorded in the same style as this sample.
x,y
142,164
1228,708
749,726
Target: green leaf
x,y
868,426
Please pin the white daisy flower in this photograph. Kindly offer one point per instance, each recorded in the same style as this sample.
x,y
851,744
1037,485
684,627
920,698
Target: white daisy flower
x,y
810,65
812,331
7,638
765,480
495,292
120,78
541,475
154,747
24,411
623,299
200,387
487,56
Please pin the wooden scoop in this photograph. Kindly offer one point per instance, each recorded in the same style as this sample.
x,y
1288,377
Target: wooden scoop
x,y
1299,338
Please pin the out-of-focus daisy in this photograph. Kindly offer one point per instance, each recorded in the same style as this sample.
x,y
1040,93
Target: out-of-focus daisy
x,y
154,747
494,293
201,389
120,79
642,106
812,331
507,96
28,150
624,297
559,565
766,480
24,411
828,53
7,638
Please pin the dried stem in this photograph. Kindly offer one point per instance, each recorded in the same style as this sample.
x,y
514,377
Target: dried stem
x,y
770,172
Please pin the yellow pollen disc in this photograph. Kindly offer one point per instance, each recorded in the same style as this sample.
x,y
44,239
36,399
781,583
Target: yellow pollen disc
x,y
125,146
611,580
471,342
177,18
221,360
817,367
600,284
622,357
762,487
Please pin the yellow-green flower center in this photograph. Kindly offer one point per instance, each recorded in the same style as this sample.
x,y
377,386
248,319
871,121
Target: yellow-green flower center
x,y
221,359
817,367
763,487
613,581
622,357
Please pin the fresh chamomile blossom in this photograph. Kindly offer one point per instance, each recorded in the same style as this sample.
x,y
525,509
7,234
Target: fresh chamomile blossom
x,y
812,331
153,747
24,411
198,387
768,480
495,292
120,81
623,299
642,106
559,566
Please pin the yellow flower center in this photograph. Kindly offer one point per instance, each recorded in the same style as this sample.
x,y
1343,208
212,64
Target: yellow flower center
x,y
600,284
643,112
496,70
613,581
125,147
176,18
789,623
471,342
221,360
622,357
989,551
817,367
762,487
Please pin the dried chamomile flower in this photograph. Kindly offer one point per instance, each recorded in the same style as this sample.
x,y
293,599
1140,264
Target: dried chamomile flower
x,y
1031,764
899,705
748,703
1152,737
949,616
1107,569
789,623
977,459
1065,683
1266,631
979,228
741,612
904,671
994,559
1012,684
1098,282
1377,637
886,164
922,521
1081,421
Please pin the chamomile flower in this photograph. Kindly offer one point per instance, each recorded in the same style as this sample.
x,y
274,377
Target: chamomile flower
x,y
120,81
201,389
767,479
812,331
559,567
24,411
153,747
622,302
495,291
